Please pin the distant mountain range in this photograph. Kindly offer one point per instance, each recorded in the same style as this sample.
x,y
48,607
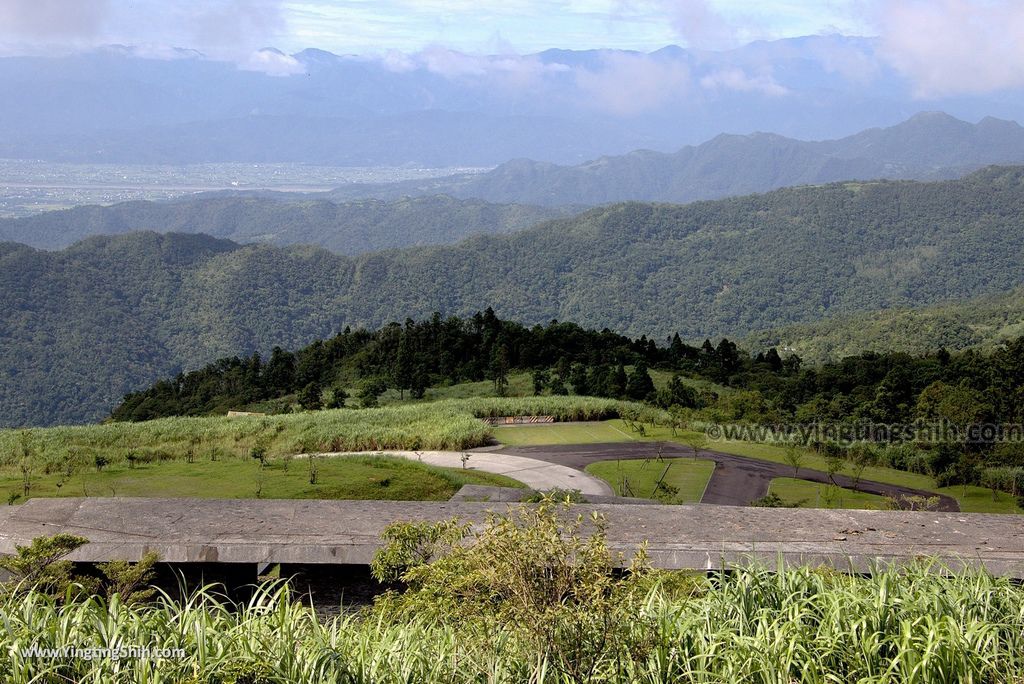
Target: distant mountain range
x,y
362,218
443,108
81,326
349,228
928,146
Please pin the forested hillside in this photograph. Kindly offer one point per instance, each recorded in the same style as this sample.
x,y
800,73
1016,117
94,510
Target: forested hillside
x,y
83,326
981,323
928,146
955,392
346,228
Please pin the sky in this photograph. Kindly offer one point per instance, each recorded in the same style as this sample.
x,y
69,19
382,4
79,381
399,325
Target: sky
x,y
368,26
944,47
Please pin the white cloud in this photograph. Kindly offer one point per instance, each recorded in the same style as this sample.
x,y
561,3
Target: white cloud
x,y
630,83
733,78
951,47
272,63
513,71
699,23
695,22
52,19
398,62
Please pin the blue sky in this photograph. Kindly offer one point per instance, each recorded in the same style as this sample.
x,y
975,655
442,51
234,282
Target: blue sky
x,y
362,26
942,46
526,25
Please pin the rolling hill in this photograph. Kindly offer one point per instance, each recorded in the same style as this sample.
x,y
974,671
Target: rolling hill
x,y
928,146
346,228
981,323
81,326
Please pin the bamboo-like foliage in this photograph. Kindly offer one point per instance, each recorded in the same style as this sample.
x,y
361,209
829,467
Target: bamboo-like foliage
x,y
750,625
441,425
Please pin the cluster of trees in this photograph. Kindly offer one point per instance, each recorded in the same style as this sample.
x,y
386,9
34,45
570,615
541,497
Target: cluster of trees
x,y
983,322
150,305
413,356
959,390
346,228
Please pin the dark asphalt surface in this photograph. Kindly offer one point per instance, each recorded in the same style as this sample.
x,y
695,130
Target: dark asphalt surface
x,y
737,480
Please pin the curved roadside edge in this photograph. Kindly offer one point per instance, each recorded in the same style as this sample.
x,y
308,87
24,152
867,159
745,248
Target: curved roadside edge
x,y
532,472
736,480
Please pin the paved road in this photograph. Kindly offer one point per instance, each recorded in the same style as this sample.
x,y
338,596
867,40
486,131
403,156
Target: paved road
x,y
736,481
535,473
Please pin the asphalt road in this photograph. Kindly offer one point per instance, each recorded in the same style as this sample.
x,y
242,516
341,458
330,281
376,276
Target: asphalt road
x,y
737,480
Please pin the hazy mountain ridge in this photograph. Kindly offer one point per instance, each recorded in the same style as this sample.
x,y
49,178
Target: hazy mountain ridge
x,y
446,108
80,327
928,146
346,228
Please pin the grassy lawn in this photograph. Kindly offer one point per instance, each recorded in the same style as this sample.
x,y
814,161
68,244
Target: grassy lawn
x,y
978,499
767,452
686,478
559,433
356,477
661,379
819,495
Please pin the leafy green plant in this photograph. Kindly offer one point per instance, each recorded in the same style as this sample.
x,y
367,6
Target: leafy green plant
x,y
40,565
130,581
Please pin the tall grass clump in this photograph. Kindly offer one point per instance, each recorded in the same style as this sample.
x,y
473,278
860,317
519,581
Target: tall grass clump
x,y
535,596
441,425
563,408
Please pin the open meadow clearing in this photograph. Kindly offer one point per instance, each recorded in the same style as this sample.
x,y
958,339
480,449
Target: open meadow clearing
x,y
817,495
559,433
352,477
676,480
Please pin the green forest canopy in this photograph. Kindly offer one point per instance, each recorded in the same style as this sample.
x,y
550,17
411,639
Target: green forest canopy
x,y
83,326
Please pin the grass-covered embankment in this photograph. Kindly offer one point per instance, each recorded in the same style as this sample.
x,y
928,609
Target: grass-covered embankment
x,y
350,477
441,425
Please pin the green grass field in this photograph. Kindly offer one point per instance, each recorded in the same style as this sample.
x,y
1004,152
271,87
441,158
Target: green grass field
x,y
661,379
978,499
349,477
441,425
559,433
819,495
686,478
775,454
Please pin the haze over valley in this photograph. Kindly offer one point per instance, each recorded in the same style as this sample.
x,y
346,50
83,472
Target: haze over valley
x,y
574,341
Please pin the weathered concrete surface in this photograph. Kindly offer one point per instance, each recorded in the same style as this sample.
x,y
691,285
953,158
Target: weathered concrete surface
x,y
534,473
347,532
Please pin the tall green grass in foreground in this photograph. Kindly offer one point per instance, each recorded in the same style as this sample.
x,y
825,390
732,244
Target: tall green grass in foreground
x,y
441,425
752,626
531,597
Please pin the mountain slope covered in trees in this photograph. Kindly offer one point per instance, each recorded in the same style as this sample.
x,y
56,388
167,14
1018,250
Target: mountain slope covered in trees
x,y
346,228
981,323
928,146
80,327
938,388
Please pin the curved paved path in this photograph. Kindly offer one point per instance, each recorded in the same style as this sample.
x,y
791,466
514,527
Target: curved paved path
x,y
539,474
737,480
